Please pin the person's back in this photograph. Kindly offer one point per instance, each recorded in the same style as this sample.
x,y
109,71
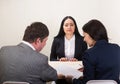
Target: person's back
x,y
104,57
23,62
101,60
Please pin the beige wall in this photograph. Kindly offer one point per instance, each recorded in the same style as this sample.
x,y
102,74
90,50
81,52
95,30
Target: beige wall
x,y
15,15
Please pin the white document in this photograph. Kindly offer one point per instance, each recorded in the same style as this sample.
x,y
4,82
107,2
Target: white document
x,y
67,68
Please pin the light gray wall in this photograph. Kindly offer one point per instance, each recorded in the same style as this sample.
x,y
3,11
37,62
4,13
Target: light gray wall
x,y
110,16
15,15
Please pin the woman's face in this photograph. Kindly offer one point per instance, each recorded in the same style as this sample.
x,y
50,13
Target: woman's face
x,y
69,26
88,39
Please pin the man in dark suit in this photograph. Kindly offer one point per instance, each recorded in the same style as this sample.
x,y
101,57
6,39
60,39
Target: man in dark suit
x,y
23,62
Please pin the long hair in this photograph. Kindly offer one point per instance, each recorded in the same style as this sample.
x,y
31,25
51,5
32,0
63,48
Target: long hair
x,y
96,30
61,31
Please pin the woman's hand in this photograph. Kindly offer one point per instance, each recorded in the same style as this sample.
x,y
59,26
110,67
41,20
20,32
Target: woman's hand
x,y
67,59
81,69
63,59
73,59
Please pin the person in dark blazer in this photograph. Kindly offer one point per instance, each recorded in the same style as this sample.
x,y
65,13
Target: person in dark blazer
x,y
101,60
23,62
68,45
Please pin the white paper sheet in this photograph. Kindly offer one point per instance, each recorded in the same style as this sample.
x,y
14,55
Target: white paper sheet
x,y
67,69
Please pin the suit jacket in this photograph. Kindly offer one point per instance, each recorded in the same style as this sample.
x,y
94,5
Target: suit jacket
x,y
101,62
58,48
22,63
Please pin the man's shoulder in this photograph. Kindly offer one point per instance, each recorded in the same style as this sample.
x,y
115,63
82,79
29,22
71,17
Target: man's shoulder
x,y
40,56
8,47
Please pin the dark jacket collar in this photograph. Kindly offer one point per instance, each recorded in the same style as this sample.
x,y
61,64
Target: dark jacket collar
x,y
101,42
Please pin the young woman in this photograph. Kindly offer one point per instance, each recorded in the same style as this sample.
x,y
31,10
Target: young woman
x,y
68,45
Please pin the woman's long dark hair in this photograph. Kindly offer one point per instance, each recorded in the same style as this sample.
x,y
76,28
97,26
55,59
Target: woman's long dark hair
x,y
96,30
61,31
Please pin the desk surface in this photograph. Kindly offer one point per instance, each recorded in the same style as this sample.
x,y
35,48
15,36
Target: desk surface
x,y
75,65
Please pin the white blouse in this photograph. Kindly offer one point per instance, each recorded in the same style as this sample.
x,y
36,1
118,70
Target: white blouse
x,y
70,47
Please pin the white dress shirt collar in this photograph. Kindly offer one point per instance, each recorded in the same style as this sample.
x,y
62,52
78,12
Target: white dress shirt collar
x,y
27,43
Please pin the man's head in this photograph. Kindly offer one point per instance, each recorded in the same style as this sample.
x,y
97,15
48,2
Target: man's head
x,y
37,35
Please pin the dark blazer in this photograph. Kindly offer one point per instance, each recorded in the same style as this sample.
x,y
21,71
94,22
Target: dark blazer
x,y
58,51
22,63
101,62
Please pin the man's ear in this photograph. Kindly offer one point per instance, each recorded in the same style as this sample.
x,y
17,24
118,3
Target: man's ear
x,y
37,40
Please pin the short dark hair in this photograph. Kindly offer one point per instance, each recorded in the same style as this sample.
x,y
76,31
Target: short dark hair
x,y
34,31
96,30
61,31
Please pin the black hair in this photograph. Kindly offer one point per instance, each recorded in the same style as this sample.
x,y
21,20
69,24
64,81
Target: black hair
x,y
34,31
96,30
61,31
